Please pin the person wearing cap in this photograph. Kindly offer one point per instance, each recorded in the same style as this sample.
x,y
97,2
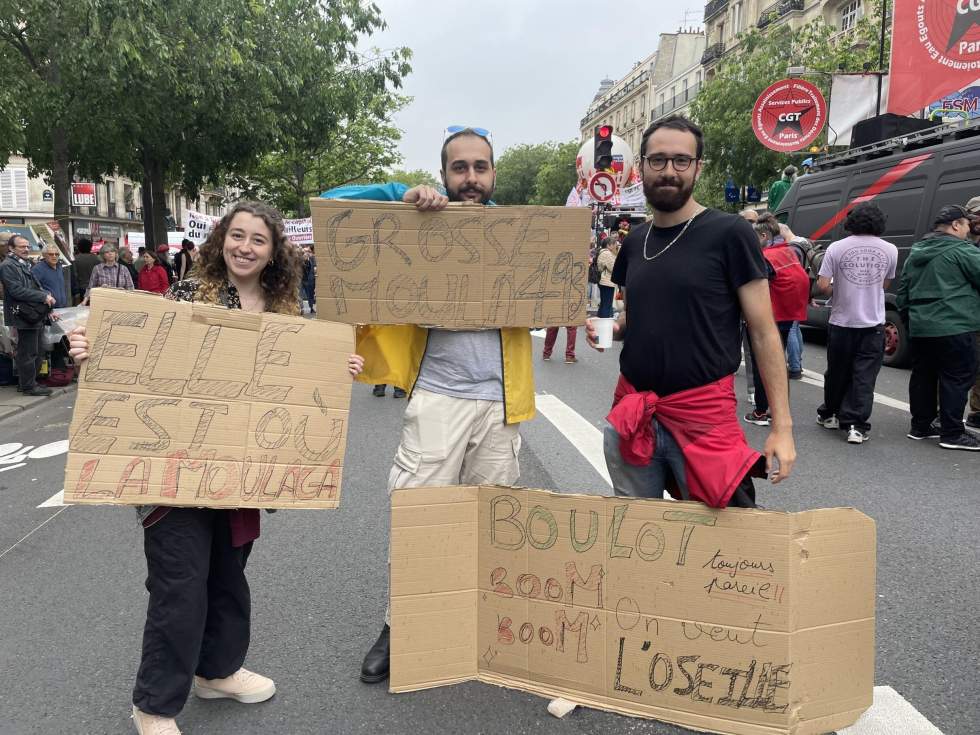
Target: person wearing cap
x,y
163,251
469,389
779,188
939,297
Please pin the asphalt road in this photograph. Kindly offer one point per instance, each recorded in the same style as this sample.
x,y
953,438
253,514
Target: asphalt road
x,y
72,600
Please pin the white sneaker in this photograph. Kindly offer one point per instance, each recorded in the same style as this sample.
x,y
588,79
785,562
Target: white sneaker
x,y
244,685
856,436
830,422
147,724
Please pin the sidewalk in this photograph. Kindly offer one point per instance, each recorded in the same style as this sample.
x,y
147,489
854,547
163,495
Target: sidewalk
x,y
12,402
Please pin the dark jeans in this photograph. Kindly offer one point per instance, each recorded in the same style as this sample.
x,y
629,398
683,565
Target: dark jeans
x,y
606,294
854,357
28,357
197,621
947,365
761,399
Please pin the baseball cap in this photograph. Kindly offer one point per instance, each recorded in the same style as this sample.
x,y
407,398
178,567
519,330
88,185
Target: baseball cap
x,y
973,206
950,213
163,248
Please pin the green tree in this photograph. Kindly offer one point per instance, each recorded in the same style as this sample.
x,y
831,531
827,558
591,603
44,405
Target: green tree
x,y
418,177
557,176
517,172
723,107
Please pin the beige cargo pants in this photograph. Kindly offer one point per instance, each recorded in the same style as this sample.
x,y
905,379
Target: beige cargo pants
x,y
454,441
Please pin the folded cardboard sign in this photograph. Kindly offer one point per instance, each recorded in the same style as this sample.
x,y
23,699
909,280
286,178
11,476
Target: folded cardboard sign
x,y
199,405
462,267
733,621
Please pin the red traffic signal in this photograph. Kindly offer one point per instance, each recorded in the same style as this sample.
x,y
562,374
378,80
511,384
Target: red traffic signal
x,y
603,132
603,147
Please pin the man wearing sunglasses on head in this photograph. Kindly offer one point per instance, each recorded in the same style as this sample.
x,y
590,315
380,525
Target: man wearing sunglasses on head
x,y
689,278
469,389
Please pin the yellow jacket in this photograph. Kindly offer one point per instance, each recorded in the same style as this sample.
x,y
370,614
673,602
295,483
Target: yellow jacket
x,y
393,355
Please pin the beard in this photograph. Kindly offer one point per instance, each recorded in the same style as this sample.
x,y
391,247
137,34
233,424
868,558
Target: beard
x,y
667,193
458,195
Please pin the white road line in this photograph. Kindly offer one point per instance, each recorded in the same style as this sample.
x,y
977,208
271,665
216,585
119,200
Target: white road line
x,y
55,501
34,530
816,379
889,714
585,437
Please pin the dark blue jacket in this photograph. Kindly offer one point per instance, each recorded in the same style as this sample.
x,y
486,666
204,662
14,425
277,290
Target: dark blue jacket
x,y
53,280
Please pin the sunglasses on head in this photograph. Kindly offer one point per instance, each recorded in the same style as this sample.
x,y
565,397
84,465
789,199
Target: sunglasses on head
x,y
454,129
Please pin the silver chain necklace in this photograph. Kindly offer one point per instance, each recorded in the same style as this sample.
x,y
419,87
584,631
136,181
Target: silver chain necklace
x,y
667,247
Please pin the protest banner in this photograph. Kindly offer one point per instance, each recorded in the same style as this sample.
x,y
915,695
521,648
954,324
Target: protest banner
x,y
733,621
199,405
464,267
199,226
300,231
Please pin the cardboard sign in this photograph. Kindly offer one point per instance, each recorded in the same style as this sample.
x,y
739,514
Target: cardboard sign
x,y
194,405
464,267
732,621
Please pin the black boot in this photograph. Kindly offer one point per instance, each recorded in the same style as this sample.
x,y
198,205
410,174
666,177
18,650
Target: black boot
x,y
375,666
379,390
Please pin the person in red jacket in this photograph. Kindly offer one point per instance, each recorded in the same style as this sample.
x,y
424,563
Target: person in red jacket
x,y
152,276
789,290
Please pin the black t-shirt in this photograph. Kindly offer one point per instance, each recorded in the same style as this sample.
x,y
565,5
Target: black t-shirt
x,y
683,314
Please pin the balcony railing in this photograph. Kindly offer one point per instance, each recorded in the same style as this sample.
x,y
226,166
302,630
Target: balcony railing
x,y
714,51
777,10
678,100
713,8
618,95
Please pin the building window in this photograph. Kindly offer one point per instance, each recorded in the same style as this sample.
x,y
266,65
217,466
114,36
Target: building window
x,y
13,189
110,192
736,18
850,14
697,77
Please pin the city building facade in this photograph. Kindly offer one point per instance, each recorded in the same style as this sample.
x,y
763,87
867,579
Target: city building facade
x,y
29,200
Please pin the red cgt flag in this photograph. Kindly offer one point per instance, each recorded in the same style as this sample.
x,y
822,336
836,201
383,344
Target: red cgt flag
x,y
935,51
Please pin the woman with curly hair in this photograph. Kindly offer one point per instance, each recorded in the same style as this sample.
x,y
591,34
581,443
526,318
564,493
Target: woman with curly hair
x,y
198,619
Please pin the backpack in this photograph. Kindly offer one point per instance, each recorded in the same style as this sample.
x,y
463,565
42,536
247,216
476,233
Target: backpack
x,y
594,275
808,254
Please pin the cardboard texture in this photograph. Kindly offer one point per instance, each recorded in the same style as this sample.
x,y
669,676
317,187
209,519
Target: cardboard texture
x,y
733,621
463,267
195,405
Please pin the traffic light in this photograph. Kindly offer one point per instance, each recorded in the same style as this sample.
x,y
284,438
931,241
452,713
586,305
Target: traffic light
x,y
603,147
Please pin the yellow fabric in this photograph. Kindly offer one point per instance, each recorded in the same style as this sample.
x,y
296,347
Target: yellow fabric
x,y
393,355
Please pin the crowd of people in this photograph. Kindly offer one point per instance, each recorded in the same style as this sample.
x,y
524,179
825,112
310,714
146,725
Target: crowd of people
x,y
691,282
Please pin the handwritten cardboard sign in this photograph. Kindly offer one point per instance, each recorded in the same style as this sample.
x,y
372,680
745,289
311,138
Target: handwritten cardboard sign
x,y
463,267
732,621
194,405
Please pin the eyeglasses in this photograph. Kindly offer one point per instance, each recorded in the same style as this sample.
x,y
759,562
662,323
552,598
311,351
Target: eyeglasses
x,y
659,163
454,129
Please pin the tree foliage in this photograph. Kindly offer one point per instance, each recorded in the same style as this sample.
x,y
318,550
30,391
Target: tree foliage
x,y
723,107
417,177
541,173
557,176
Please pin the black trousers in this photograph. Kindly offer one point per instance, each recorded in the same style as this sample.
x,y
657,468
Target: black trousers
x,y
761,399
197,621
28,357
854,357
947,365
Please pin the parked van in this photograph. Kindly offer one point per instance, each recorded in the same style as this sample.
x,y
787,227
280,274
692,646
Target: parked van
x,y
909,177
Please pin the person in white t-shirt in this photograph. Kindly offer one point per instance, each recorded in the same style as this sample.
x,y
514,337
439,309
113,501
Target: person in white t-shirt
x,y
857,270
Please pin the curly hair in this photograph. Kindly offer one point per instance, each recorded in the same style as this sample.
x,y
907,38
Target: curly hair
x,y
866,219
280,278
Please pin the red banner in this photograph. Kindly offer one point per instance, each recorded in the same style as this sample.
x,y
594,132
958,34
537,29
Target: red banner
x,y
935,51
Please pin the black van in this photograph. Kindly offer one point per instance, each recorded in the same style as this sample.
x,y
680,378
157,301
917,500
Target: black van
x,y
909,177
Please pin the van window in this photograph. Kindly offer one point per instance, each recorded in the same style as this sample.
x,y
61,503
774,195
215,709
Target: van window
x,y
958,182
817,200
901,202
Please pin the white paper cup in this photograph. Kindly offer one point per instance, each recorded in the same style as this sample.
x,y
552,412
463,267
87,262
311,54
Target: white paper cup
x,y
604,332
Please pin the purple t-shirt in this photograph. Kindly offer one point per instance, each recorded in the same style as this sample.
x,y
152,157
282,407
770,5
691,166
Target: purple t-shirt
x,y
859,266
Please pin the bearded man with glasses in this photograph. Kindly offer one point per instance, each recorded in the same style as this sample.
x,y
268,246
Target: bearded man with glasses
x,y
689,277
470,389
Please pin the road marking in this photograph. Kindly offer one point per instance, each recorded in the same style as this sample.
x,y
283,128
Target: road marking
x,y
891,713
816,379
35,530
55,501
585,437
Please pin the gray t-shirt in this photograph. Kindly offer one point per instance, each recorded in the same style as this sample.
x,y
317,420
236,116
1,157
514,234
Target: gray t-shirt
x,y
859,266
464,364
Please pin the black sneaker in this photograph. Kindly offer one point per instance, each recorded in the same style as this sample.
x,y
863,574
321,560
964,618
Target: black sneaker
x,y
379,391
397,393
966,442
973,420
919,434
759,419
37,390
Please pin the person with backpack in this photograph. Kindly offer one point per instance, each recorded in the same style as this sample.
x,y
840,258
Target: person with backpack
x,y
857,270
789,290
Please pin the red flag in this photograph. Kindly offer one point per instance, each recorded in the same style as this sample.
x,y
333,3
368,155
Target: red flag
x,y
935,51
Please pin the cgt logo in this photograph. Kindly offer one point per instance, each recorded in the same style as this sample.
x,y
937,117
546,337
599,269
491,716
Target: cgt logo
x,y
967,16
949,31
789,115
